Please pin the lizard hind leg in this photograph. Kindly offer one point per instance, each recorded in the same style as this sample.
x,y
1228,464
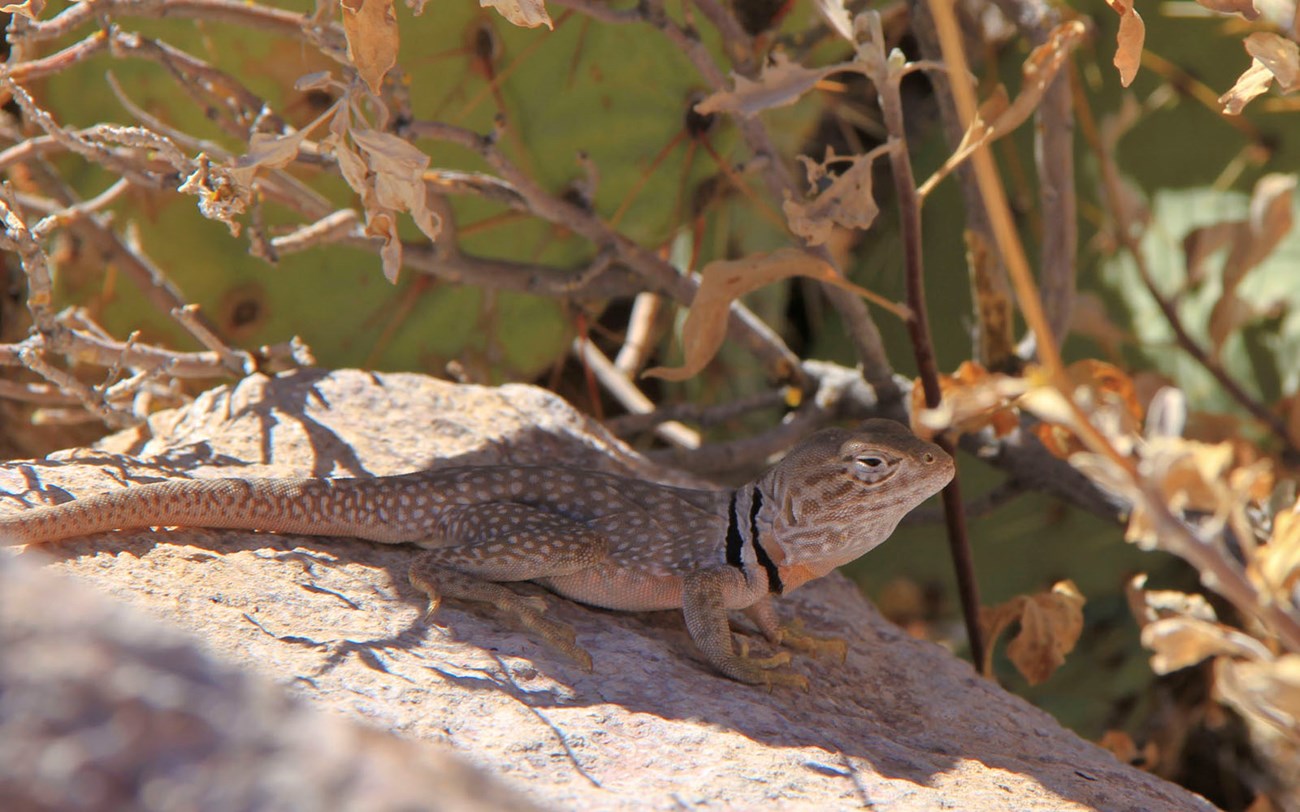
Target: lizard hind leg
x,y
481,545
438,582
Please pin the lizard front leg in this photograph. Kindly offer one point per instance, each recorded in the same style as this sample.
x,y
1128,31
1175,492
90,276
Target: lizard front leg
x,y
482,545
792,634
704,606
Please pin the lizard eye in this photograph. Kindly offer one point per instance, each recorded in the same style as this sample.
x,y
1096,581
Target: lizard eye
x,y
872,469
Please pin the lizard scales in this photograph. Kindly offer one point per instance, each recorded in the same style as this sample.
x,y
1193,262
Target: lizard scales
x,y
599,539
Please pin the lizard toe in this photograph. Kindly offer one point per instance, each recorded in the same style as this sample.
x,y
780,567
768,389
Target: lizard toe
x,y
796,638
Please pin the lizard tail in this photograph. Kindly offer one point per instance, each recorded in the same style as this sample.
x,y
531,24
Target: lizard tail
x,y
305,506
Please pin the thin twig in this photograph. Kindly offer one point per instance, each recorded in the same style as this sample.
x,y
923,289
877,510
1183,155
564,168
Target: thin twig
x,y
858,323
743,325
909,208
632,399
706,415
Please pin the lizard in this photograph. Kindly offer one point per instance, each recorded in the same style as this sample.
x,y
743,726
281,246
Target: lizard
x,y
595,538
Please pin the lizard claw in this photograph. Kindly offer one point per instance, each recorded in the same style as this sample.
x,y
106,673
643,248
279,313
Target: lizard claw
x,y
419,579
796,638
765,671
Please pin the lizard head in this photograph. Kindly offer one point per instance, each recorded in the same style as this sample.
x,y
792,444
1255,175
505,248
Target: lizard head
x,y
841,492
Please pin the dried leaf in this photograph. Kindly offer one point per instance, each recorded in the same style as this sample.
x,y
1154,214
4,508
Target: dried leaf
x,y
1122,747
267,151
1270,220
1273,58
523,13
973,398
1050,625
1280,55
1102,391
1251,241
835,15
1277,564
723,281
1150,605
1132,32
847,201
1245,8
1267,690
1180,642
1090,317
1200,244
220,196
1229,314
1191,475
388,174
1254,82
998,117
31,9
398,176
371,30
780,84
1119,744
383,225
993,305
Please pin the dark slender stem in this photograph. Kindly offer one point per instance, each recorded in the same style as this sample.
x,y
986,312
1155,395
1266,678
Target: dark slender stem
x,y
919,330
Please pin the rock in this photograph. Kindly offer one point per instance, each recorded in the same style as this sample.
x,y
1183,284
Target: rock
x,y
103,708
901,725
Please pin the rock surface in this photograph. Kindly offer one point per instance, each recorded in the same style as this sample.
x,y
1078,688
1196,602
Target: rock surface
x,y
901,725
102,708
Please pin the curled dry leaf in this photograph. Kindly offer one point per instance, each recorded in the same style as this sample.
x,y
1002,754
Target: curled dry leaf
x,y
1268,691
847,201
31,9
221,196
1252,241
268,151
973,398
1132,33
780,84
1275,568
371,30
523,13
1180,642
1150,605
1273,57
723,281
834,13
997,116
1123,748
398,175
388,174
1090,317
1050,625
1245,8
1104,391
1190,477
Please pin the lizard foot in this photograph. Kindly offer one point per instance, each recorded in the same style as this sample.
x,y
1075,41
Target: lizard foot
x,y
796,638
526,610
559,636
764,671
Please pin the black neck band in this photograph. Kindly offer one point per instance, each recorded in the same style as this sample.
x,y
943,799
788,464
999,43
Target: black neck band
x,y
774,584
734,540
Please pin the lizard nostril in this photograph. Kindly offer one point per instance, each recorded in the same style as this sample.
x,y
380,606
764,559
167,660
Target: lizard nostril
x,y
928,458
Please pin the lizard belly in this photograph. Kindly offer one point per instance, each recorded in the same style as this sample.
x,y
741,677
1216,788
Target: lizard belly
x,y
613,587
